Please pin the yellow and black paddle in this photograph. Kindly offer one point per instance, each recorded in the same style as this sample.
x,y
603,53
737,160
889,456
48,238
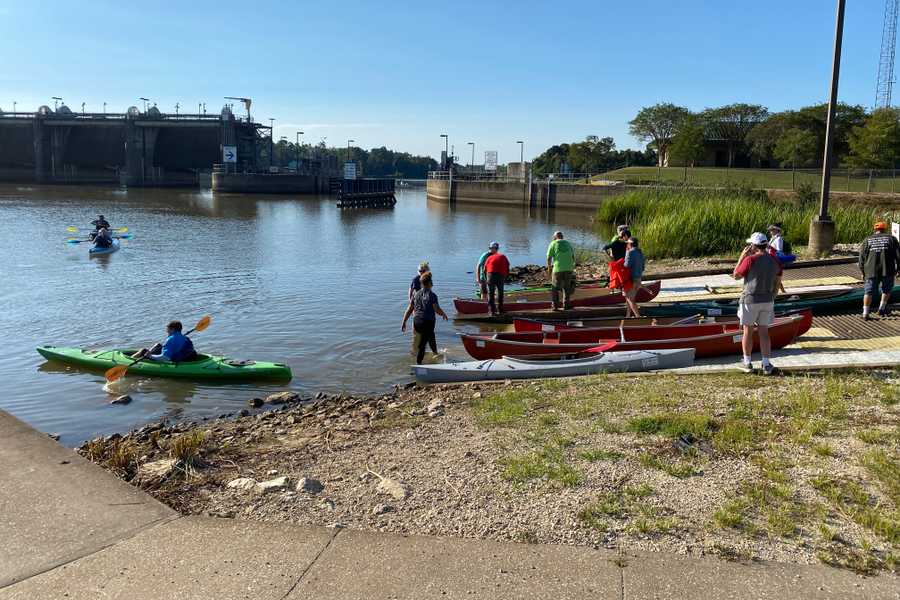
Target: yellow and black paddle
x,y
119,371
72,229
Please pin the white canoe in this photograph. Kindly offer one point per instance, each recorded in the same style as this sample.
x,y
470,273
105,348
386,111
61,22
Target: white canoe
x,y
510,367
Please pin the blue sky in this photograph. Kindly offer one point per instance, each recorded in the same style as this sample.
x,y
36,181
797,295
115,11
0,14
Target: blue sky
x,y
400,73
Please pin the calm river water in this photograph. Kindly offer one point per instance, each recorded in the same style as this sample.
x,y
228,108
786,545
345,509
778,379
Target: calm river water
x,y
294,280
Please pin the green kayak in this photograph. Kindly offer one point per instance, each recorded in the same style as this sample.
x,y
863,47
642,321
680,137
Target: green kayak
x,y
205,367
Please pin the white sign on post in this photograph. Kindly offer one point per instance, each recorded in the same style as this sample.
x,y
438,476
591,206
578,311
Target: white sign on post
x,y
490,160
229,154
895,230
350,170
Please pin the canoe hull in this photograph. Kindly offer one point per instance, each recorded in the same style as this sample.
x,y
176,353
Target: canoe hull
x,y
485,346
104,251
209,368
517,368
466,306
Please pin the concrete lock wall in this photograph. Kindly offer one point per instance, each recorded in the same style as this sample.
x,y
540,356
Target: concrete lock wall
x,y
268,184
540,194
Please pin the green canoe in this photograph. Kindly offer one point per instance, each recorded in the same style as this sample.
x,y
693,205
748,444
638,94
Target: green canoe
x,y
210,368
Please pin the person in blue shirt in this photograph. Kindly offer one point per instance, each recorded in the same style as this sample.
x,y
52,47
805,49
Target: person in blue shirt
x,y
416,284
177,347
424,308
634,261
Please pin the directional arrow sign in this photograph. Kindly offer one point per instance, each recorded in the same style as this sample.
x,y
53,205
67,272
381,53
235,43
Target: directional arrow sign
x,y
229,154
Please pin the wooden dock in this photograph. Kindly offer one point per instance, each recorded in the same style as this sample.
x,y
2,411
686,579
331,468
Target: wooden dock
x,y
364,193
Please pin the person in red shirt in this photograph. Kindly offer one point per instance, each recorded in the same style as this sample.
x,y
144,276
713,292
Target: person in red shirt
x,y
497,269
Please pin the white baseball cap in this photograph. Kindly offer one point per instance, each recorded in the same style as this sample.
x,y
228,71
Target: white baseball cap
x,y
758,239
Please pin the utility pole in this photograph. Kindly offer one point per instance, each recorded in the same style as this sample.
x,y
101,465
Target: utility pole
x,y
821,229
177,106
472,163
299,133
271,141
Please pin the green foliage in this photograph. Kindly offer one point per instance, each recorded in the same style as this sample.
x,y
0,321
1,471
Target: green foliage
x,y
547,463
657,124
688,145
688,222
377,162
876,144
733,123
595,455
673,424
593,155
797,147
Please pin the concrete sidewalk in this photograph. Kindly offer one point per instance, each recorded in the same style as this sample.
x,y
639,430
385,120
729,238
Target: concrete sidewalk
x,y
72,530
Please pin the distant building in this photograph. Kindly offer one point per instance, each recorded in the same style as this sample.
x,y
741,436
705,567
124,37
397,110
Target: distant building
x,y
514,170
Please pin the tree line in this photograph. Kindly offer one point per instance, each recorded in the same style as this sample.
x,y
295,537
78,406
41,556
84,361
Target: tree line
x,y
790,138
377,162
593,155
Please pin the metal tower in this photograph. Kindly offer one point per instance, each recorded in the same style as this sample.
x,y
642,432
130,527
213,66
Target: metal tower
x,y
886,59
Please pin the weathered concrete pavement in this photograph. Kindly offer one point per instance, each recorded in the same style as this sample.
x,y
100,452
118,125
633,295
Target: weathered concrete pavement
x,y
71,530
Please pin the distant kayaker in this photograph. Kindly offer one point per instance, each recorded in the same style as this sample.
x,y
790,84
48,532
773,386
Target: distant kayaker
x,y
177,347
561,266
424,307
761,273
616,247
481,274
100,223
878,258
497,268
634,262
416,284
102,239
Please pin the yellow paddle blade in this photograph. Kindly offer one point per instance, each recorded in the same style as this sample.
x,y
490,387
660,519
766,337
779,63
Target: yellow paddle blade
x,y
71,229
116,373
203,323
122,230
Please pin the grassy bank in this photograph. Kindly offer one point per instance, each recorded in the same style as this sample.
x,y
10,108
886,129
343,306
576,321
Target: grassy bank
x,y
842,180
692,222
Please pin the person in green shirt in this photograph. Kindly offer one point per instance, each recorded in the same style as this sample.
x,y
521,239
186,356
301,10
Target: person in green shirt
x,y
561,265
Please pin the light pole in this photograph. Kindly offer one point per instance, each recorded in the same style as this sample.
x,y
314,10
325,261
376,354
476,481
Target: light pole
x,y
348,148
299,133
821,229
177,106
521,155
446,151
145,101
104,108
14,106
271,141
472,163
56,101
82,109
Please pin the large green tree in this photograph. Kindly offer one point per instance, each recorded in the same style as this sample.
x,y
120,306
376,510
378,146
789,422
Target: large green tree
x,y
657,125
796,147
732,124
876,145
593,155
689,143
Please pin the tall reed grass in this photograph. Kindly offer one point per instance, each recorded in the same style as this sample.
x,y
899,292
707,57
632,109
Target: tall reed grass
x,y
692,223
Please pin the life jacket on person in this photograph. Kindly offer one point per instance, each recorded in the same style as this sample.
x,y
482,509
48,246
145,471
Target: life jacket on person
x,y
187,351
102,240
619,275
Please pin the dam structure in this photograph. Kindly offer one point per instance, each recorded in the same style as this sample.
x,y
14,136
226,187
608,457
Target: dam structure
x,y
133,148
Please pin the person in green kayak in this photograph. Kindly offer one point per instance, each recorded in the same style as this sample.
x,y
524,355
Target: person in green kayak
x,y
425,308
481,273
561,266
177,347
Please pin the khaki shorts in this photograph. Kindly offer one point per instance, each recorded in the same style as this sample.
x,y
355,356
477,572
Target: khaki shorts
x,y
758,313
635,286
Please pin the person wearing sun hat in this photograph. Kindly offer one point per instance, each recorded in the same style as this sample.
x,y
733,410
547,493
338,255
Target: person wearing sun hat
x,y
761,273
878,257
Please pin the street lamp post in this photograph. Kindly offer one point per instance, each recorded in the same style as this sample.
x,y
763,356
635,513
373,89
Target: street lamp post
x,y
821,229
145,101
446,166
82,109
14,106
177,106
104,108
348,148
299,133
472,163
271,142
56,101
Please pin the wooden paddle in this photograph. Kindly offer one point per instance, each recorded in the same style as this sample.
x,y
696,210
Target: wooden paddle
x,y
119,371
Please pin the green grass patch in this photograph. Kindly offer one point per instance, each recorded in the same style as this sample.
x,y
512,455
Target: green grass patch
x,y
878,437
673,425
628,504
886,469
676,223
597,455
676,468
851,499
547,463
505,408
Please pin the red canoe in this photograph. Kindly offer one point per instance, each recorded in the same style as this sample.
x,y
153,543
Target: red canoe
x,y
631,326
605,297
717,339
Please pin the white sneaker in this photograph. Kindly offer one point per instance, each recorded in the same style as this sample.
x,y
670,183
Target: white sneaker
x,y
746,367
768,369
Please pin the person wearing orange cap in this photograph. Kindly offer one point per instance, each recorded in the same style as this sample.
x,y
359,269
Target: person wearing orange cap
x,y
879,255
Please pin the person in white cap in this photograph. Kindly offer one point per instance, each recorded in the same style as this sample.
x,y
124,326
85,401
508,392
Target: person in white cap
x,y
761,273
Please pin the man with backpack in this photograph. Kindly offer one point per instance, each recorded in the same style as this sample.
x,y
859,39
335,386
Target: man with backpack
x,y
878,257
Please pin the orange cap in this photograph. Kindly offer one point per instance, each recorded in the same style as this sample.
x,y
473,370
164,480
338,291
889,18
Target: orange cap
x,y
880,226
